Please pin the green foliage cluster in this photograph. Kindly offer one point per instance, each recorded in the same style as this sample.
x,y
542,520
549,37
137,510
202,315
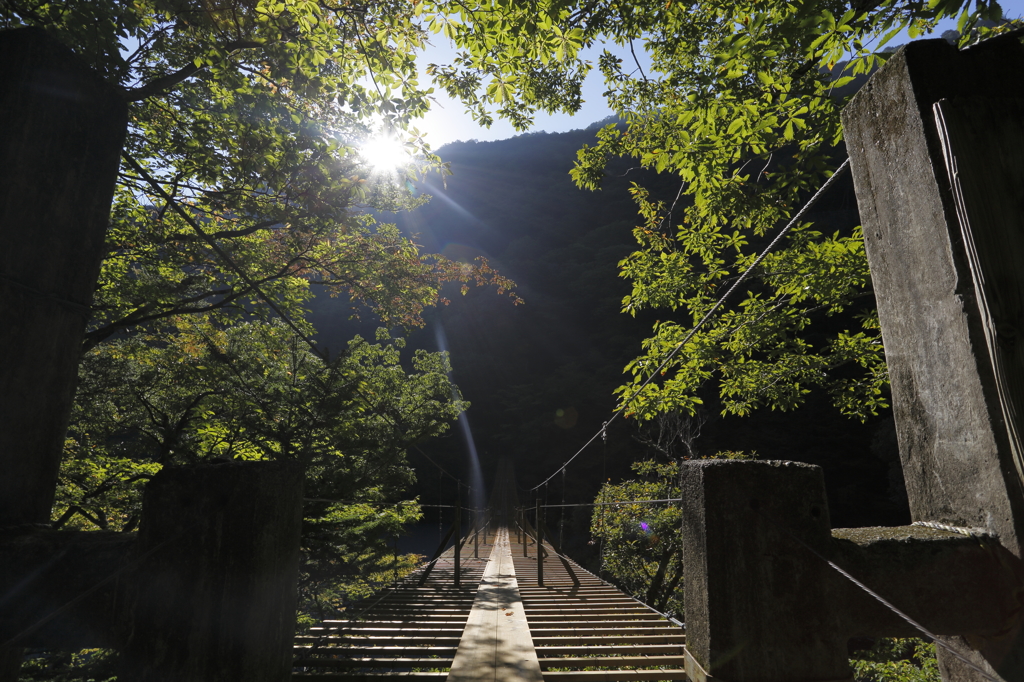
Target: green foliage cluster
x,y
244,190
244,185
199,392
86,665
897,660
347,557
741,102
249,115
640,542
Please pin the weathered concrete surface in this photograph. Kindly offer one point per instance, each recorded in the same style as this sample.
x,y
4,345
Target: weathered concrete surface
x,y
204,592
214,597
60,139
763,605
951,584
496,645
955,444
983,149
43,577
755,598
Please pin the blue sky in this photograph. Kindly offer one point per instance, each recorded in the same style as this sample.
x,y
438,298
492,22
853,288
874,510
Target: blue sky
x,y
448,122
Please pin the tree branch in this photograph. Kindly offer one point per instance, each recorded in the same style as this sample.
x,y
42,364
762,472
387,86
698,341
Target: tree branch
x,y
164,83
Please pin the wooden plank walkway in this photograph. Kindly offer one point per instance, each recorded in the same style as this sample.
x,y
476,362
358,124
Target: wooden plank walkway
x,y
592,630
501,625
496,645
411,631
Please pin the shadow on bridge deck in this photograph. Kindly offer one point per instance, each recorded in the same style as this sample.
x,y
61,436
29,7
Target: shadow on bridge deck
x,y
501,623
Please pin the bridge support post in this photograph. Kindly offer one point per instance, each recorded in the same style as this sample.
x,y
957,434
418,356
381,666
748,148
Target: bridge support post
x,y
59,156
762,602
937,154
214,595
458,536
60,146
539,530
205,591
936,151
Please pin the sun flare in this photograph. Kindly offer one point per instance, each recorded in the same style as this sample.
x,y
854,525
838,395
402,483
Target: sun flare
x,y
385,154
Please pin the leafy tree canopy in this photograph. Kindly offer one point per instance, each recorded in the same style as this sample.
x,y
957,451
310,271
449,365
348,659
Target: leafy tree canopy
x,y
640,540
741,101
243,180
243,189
200,392
897,660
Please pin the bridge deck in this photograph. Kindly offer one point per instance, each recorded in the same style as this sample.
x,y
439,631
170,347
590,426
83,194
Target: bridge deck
x,y
501,624
571,632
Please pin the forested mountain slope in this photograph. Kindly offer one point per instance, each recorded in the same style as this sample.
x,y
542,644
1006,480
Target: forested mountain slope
x,y
540,376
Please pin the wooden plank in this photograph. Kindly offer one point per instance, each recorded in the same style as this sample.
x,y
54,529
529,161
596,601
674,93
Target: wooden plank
x,y
496,645
373,662
411,618
371,630
625,612
381,641
644,616
609,639
583,628
402,624
367,677
694,671
395,651
550,651
583,597
614,675
616,661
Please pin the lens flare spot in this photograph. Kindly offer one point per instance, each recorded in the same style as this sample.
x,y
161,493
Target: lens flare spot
x,y
566,417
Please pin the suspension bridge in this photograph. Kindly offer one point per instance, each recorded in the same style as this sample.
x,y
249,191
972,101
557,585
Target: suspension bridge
x,y
502,604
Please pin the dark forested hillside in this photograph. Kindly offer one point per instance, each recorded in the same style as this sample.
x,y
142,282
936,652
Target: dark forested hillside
x,y
540,376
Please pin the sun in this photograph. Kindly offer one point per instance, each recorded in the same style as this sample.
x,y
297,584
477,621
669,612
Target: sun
x,y
384,154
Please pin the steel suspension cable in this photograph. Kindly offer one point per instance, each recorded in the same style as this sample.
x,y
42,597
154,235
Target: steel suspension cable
x,y
707,316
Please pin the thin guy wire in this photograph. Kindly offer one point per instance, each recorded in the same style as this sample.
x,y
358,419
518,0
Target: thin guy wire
x,y
707,316
441,468
72,305
922,629
64,607
610,504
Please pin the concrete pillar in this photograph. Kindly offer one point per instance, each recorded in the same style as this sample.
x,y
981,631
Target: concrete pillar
x,y
61,589
763,605
214,595
61,132
754,597
60,142
948,288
